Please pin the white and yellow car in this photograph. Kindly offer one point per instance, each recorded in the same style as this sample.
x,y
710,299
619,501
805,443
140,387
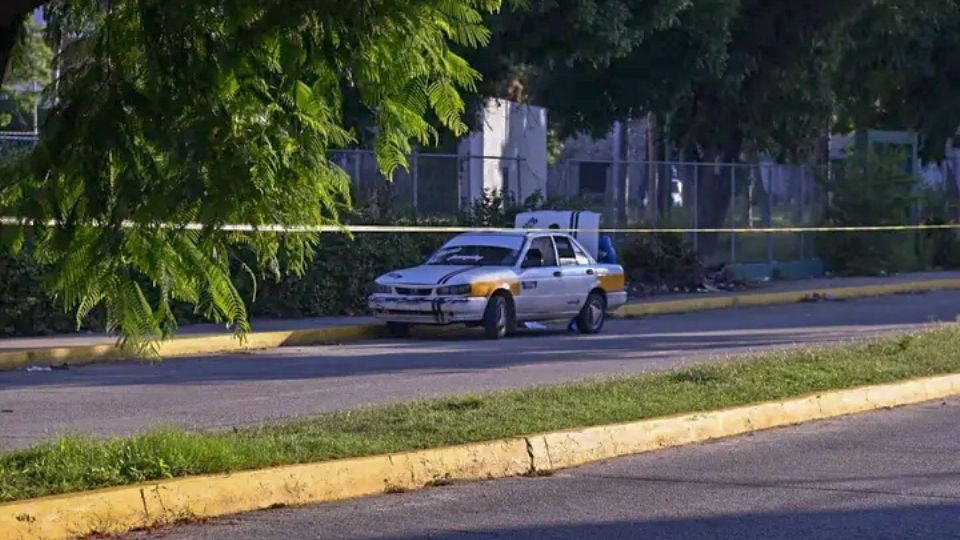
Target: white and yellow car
x,y
499,279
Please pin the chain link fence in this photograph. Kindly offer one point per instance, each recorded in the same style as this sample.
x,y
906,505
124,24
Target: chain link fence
x,y
438,185
645,194
14,142
689,195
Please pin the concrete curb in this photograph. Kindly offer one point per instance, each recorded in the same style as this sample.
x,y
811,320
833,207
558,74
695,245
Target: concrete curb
x,y
788,297
125,508
199,345
188,346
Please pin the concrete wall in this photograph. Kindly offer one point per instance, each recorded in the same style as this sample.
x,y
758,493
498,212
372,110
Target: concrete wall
x,y
508,152
565,173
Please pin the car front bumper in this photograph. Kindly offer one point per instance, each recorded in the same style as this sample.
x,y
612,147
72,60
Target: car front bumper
x,y
427,309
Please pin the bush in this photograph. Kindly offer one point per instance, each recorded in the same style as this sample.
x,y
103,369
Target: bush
x,y
938,248
871,189
342,274
25,308
663,262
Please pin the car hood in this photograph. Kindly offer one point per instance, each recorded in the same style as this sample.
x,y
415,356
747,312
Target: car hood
x,y
439,275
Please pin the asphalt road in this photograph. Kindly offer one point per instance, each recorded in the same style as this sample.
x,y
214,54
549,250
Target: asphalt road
x,y
886,475
224,391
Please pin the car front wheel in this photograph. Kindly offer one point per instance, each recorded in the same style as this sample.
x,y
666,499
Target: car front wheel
x,y
498,319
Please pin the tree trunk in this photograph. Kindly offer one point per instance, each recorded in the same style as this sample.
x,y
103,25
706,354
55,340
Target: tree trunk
x,y
714,199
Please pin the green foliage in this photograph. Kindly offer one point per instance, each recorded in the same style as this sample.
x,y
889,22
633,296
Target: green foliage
x,y
29,72
902,71
870,189
497,209
25,308
661,261
340,276
217,112
549,52
938,248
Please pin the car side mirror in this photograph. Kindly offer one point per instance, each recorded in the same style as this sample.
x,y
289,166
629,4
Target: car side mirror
x,y
534,259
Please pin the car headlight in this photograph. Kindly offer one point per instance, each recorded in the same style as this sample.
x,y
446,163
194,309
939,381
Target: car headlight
x,y
382,289
454,290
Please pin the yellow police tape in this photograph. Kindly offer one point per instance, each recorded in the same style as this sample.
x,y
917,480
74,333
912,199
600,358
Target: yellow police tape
x,y
362,229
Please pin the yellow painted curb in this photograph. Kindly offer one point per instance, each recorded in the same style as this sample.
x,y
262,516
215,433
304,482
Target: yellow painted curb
x,y
187,346
125,508
121,509
685,305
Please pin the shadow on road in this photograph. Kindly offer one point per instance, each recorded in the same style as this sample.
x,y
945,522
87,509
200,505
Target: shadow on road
x,y
913,522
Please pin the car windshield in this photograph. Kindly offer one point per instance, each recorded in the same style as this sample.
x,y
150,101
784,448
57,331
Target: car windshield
x,y
475,256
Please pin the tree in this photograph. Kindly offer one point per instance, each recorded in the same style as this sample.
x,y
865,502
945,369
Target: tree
x,y
28,73
734,77
772,95
13,13
648,77
902,71
538,48
737,78
216,112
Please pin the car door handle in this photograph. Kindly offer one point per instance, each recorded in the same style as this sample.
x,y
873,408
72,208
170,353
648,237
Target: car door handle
x,y
557,274
590,272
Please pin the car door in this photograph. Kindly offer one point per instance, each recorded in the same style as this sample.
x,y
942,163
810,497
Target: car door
x,y
577,274
541,291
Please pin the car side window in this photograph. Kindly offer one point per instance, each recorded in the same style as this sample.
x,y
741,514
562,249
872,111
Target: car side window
x,y
582,258
545,245
568,257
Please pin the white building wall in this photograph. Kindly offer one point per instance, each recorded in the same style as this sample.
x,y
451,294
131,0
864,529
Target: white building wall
x,y
508,151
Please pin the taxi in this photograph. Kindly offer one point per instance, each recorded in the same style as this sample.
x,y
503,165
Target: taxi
x,y
498,280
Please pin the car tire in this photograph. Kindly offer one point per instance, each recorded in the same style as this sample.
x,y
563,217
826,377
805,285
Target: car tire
x,y
398,329
593,314
498,318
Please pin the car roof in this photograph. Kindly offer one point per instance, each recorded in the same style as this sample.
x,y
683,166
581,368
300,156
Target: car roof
x,y
512,233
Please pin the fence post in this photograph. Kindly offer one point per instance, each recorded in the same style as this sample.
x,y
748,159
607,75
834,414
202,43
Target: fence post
x,y
356,169
460,179
415,170
803,219
769,216
696,208
519,164
733,213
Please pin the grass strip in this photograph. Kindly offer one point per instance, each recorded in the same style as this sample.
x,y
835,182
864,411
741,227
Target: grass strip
x,y
76,463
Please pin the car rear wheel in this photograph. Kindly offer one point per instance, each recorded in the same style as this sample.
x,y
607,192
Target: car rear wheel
x,y
593,314
498,317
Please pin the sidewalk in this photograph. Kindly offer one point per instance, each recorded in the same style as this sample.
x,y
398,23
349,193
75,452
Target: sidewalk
x,y
269,333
